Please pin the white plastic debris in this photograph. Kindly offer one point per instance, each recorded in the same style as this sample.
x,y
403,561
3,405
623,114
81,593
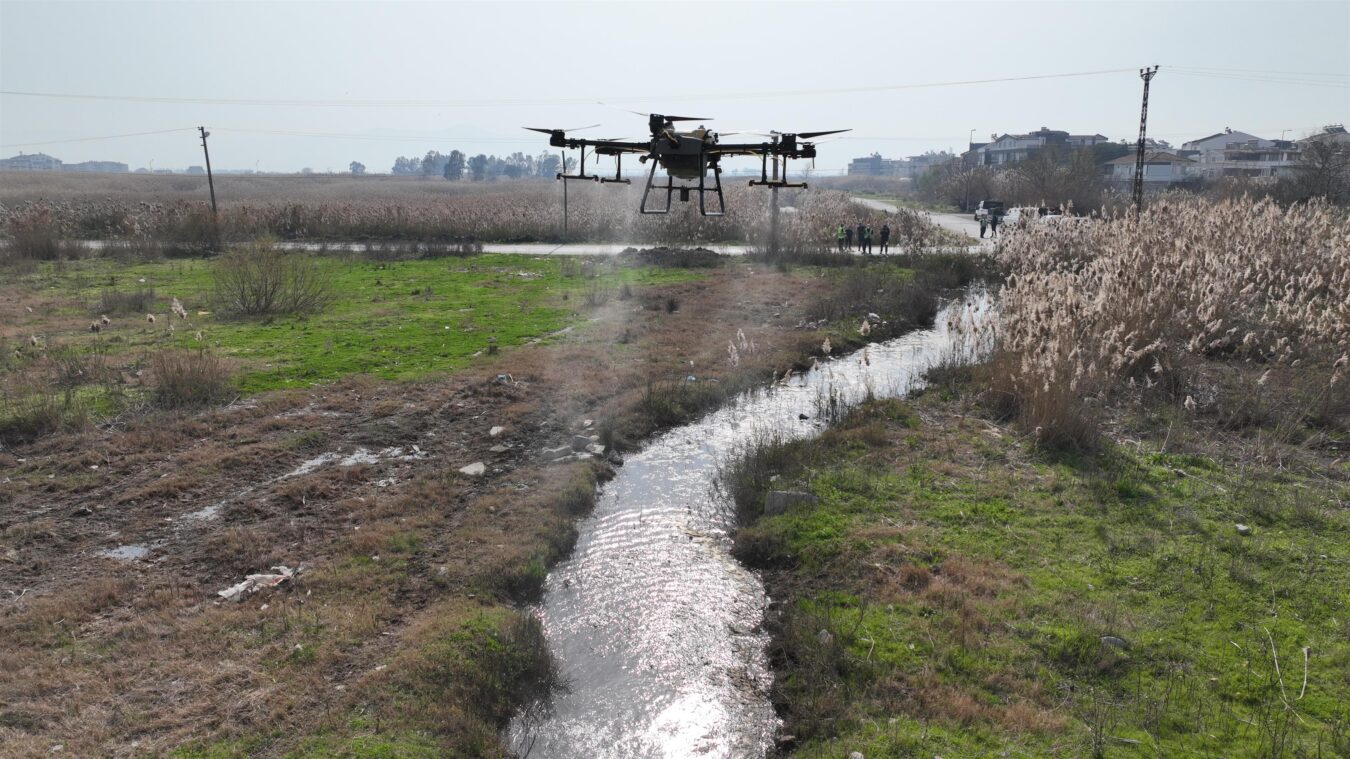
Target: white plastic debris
x,y
253,583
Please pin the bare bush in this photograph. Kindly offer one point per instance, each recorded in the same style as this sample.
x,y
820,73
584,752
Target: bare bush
x,y
260,280
190,378
138,301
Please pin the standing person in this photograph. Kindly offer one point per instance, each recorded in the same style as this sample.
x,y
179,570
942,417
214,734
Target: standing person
x,y
861,227
839,236
885,237
848,238
867,240
984,223
994,220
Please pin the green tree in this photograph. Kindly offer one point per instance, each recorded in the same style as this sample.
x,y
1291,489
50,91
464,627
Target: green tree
x,y
454,166
357,167
478,166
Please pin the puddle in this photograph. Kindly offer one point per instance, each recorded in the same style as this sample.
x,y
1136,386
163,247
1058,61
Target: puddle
x,y
132,552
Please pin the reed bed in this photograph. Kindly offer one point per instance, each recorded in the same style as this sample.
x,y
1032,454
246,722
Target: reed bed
x,y
330,209
1211,306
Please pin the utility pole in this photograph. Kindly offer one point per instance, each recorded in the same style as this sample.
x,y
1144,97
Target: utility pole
x,y
564,181
210,181
1147,75
970,145
773,208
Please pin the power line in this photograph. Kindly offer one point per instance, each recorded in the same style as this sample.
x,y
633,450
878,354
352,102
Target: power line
x,y
541,101
1342,75
91,139
1263,79
373,137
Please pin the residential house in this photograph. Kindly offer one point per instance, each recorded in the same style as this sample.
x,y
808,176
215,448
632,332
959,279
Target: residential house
x,y
1013,148
1161,170
874,166
105,167
30,162
1239,154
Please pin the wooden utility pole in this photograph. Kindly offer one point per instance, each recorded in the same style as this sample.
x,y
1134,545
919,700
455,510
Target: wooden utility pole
x,y
1147,75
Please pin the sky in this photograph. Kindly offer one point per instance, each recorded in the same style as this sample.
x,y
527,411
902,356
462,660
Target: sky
x,y
283,86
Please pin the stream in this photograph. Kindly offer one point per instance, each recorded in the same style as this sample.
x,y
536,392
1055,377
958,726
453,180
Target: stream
x,y
656,628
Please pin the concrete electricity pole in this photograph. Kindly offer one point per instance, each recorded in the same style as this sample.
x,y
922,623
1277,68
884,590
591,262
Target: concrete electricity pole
x,y
1147,75
210,181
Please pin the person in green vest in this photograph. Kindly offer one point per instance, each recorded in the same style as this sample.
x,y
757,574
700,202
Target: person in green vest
x,y
839,234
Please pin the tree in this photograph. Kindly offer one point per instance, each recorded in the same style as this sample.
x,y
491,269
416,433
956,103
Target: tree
x,y
478,166
358,168
407,166
454,166
434,164
1323,170
547,165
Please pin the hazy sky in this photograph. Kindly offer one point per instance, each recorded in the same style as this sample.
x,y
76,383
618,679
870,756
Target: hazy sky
x,y
401,78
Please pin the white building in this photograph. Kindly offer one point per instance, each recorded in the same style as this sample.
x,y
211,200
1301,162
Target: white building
x,y
1161,170
105,167
1239,154
30,162
1012,148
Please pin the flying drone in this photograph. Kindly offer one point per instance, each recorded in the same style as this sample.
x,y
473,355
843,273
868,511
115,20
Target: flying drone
x,y
688,155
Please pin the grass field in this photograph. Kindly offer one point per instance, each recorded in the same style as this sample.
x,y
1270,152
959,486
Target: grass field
x,y
956,593
391,320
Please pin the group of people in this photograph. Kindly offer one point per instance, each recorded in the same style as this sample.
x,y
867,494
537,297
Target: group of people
x,y
991,220
845,236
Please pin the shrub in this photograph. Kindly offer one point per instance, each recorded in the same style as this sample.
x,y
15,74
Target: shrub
x,y
261,281
189,378
138,301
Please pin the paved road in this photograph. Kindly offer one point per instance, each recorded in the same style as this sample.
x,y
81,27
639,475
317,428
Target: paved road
x,y
956,222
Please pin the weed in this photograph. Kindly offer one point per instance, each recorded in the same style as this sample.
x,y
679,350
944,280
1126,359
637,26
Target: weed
x,y
261,281
187,378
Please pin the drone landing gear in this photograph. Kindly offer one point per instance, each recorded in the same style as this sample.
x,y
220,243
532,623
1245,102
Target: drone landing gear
x,y
702,189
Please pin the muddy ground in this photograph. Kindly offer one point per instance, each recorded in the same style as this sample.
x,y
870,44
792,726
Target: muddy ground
x,y
115,541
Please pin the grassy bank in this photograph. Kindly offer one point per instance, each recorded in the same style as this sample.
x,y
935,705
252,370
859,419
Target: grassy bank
x,y
955,592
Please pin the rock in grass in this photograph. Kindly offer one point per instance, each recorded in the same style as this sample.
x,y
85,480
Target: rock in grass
x,y
779,501
824,637
473,470
1243,529
495,431
579,442
1114,642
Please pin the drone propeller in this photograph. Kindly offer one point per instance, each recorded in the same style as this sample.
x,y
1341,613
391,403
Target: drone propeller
x,y
668,119
809,135
551,131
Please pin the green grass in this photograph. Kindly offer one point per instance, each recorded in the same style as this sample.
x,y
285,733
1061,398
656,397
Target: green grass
x,y
393,320
1020,567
